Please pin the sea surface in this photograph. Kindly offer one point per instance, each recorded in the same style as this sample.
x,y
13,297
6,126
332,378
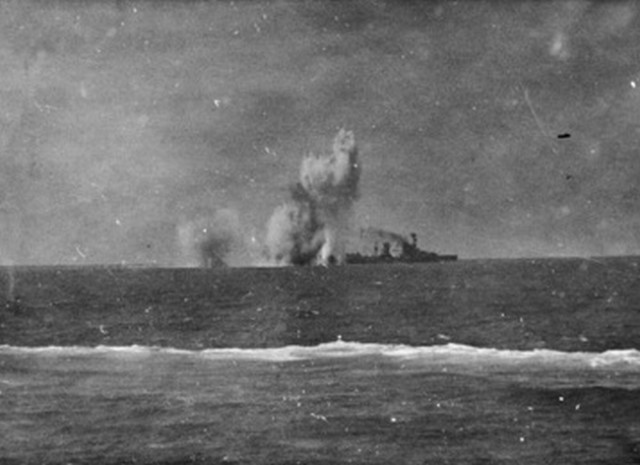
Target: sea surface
x,y
485,362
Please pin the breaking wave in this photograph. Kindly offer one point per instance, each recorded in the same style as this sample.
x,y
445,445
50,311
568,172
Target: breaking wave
x,y
447,354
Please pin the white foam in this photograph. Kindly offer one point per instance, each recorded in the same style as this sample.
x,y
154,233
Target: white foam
x,y
450,354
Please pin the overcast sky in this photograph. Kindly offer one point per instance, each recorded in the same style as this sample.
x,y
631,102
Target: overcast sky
x,y
122,121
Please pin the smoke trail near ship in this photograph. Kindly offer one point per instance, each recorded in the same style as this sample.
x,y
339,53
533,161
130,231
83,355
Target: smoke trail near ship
x,y
310,228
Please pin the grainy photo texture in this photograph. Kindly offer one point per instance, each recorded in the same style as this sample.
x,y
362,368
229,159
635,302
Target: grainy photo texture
x,y
316,232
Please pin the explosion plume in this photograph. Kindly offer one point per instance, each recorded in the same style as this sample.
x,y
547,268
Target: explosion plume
x,y
310,228
212,241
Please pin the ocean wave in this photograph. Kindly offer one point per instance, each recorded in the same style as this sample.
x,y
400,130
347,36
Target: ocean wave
x,y
446,354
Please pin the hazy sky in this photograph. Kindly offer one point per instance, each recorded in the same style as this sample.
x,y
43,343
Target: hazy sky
x,y
122,121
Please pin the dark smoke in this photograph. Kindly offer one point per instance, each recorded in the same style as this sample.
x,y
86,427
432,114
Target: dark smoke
x,y
311,227
396,242
382,235
214,249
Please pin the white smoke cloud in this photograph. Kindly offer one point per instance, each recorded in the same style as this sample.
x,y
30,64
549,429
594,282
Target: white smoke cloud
x,y
311,227
216,240
293,234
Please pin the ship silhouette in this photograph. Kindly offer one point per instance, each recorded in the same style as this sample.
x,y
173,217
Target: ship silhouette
x,y
395,249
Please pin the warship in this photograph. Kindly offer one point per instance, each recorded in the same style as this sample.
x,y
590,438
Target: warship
x,y
395,249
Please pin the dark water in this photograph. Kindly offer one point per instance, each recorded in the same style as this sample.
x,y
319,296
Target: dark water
x,y
336,403
569,305
360,365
